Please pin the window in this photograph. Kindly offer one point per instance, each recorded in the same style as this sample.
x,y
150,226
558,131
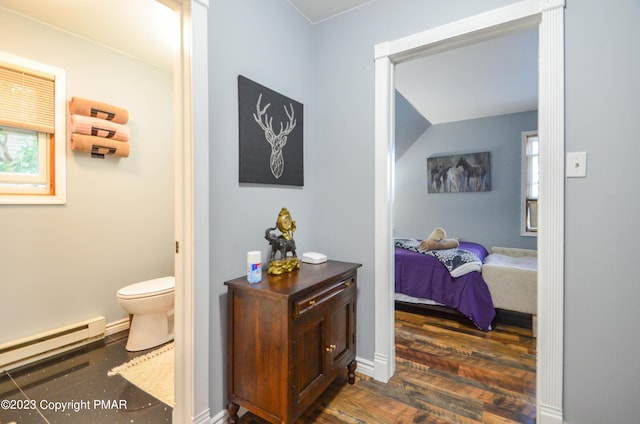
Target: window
x,y
530,182
32,132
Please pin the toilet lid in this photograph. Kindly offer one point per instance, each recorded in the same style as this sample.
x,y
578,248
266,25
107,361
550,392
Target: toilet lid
x,y
153,287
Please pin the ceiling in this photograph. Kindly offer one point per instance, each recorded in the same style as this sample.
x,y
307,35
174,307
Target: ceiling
x,y
494,77
490,78
320,10
147,31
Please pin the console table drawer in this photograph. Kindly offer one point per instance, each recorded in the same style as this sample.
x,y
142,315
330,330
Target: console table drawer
x,y
316,299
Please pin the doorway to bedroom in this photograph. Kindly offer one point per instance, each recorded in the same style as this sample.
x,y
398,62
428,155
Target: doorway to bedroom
x,y
472,100
549,18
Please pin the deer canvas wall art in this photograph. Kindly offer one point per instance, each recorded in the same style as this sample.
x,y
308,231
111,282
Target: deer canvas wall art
x,y
270,132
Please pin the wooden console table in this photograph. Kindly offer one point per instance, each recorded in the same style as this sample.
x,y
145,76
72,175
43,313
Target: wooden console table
x,y
288,338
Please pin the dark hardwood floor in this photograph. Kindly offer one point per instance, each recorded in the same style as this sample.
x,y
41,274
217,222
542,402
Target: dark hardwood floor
x,y
447,371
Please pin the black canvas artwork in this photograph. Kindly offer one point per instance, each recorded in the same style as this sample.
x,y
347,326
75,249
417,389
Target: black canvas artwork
x,y
270,136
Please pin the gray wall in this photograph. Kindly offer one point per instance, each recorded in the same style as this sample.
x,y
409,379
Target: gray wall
x,y
330,70
270,43
491,218
343,59
409,125
601,323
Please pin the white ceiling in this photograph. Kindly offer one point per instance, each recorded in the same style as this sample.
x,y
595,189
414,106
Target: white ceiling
x,y
144,29
491,78
319,10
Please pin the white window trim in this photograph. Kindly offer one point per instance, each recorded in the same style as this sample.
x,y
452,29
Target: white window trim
x,y
523,185
59,151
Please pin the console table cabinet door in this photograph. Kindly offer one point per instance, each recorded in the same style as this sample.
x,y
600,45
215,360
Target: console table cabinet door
x,y
310,367
324,345
341,332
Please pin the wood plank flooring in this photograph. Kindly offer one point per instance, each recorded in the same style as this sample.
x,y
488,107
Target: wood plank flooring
x,y
447,371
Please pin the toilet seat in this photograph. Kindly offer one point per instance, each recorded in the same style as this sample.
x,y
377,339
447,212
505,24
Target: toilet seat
x,y
148,288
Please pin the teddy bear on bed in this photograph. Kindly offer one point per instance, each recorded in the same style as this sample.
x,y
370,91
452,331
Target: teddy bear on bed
x,y
438,240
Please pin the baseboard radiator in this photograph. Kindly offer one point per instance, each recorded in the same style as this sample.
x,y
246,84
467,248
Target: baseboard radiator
x,y
20,352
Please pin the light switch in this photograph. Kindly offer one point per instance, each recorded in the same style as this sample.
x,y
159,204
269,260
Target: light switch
x,y
576,164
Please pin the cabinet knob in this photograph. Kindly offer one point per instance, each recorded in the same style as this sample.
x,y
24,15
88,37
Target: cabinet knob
x,y
347,283
331,348
312,302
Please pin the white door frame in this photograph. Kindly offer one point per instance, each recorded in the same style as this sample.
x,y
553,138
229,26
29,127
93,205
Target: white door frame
x,y
191,208
549,16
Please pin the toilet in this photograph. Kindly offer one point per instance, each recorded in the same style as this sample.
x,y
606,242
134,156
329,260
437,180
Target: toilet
x,y
151,304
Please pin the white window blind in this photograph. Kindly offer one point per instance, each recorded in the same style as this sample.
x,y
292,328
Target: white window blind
x,y
27,99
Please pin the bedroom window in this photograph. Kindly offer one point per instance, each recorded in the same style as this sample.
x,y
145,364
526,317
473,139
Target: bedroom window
x,y
32,132
530,182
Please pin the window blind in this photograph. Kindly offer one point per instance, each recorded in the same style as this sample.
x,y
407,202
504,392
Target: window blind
x,y
26,99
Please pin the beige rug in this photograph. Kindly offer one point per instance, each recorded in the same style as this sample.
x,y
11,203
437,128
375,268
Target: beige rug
x,y
152,372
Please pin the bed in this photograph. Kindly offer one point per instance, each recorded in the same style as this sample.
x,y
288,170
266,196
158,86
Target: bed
x,y
423,279
512,274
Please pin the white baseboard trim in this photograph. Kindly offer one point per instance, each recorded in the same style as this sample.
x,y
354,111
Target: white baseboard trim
x,y
202,418
365,367
221,417
382,367
549,415
116,326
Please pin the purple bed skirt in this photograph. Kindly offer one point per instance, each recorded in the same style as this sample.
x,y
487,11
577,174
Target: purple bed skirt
x,y
423,276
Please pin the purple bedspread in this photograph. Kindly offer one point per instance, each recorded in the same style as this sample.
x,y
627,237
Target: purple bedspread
x,y
424,276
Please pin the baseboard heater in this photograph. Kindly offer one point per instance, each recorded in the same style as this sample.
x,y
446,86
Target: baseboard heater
x,y
40,346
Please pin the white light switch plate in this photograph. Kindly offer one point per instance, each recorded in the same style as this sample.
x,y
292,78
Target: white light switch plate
x,y
576,164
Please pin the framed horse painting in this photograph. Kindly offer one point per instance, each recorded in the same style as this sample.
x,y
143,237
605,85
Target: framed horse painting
x,y
459,173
